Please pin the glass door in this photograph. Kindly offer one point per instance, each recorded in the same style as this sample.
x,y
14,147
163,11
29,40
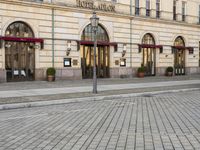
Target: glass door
x,y
149,61
179,62
102,61
20,61
86,61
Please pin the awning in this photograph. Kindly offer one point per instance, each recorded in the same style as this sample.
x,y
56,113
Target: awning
x,y
23,39
190,49
149,46
101,43
181,47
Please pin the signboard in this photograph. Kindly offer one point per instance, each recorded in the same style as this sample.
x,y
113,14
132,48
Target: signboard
x,y
95,5
67,62
122,62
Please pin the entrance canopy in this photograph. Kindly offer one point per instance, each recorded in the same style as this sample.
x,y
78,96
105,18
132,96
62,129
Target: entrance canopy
x,y
22,39
149,46
19,39
101,43
179,44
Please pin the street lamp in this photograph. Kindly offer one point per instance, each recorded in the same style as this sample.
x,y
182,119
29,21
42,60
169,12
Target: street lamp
x,y
94,23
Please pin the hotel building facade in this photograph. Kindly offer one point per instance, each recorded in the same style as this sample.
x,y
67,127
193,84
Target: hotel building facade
x,y
37,34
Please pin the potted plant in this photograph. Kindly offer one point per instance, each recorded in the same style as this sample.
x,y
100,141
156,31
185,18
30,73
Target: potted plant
x,y
51,74
169,71
141,71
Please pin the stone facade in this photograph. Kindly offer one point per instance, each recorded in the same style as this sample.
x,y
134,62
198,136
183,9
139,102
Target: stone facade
x,y
60,21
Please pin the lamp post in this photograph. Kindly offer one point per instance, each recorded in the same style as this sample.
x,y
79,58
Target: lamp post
x,y
94,23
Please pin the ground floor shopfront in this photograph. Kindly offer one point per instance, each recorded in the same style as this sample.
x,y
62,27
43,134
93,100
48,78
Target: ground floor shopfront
x,y
20,56
29,45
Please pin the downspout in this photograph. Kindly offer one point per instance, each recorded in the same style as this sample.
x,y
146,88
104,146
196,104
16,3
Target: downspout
x,y
52,15
131,23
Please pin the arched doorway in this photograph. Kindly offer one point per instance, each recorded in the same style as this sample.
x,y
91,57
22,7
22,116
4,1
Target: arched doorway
x,y
87,52
149,54
19,55
179,56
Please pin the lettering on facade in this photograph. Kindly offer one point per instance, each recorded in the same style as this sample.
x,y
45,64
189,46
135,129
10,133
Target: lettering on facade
x,y
95,6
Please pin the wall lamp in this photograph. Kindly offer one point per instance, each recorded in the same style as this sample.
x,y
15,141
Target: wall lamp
x,y
124,50
68,47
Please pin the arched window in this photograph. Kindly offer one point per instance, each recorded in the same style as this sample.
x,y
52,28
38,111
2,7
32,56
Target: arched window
x,y
88,35
179,41
19,55
148,39
19,29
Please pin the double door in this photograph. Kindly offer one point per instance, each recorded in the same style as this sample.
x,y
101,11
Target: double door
x,y
149,61
179,62
102,61
19,61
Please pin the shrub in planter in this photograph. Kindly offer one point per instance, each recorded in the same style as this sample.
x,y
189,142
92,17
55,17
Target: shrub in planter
x,y
141,71
51,74
169,71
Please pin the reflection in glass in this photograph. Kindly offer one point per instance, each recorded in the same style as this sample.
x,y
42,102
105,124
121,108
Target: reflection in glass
x,y
89,36
149,56
179,56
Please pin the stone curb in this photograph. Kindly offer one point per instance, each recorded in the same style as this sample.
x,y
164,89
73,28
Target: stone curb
x,y
94,98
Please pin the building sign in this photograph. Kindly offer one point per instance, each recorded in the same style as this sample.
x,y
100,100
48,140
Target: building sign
x,y
95,5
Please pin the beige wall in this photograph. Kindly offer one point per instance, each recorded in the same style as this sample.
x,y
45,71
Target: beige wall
x,y
70,22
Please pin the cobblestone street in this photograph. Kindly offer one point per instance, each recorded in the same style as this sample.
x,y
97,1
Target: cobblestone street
x,y
165,121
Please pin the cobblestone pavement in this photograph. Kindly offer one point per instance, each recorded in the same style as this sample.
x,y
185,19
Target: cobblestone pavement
x,y
165,121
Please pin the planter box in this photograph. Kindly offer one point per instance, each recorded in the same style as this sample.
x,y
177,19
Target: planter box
x,y
141,74
50,78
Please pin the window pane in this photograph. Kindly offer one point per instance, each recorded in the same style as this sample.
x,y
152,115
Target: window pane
x,y
179,41
148,39
89,36
19,29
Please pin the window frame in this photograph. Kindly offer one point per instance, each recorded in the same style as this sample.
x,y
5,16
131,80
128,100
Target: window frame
x,y
183,13
174,10
199,14
137,7
158,8
148,8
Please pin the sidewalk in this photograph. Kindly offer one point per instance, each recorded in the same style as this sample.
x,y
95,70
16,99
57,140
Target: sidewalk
x,y
27,93
101,88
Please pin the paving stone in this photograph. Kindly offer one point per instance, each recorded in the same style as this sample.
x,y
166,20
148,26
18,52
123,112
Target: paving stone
x,y
160,122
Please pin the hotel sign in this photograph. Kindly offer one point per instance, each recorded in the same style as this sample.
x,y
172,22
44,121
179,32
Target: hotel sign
x,y
95,5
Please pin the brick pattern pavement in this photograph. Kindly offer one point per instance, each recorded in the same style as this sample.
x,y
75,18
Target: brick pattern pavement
x,y
165,121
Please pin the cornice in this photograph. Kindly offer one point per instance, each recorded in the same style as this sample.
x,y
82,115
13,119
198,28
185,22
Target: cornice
x,y
64,8
163,21
88,11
